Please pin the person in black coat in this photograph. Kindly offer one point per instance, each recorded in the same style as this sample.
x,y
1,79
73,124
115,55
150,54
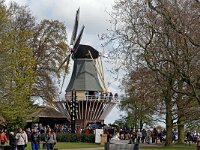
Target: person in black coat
x,y
12,141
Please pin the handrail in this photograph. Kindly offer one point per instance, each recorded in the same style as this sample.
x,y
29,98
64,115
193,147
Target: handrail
x,y
93,97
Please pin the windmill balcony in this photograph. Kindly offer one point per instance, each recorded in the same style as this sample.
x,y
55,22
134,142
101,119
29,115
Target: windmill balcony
x,y
93,98
89,107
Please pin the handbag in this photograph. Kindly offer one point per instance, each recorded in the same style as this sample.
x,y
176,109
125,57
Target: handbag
x,y
2,142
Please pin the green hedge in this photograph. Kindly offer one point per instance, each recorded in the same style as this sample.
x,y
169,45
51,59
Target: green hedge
x,y
70,137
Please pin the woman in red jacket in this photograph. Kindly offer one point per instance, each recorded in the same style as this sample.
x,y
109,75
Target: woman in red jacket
x,y
3,138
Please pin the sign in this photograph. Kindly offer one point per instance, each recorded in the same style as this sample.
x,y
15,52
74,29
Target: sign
x,y
98,134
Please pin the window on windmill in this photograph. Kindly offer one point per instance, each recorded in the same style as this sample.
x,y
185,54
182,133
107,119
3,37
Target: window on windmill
x,y
91,94
97,94
86,93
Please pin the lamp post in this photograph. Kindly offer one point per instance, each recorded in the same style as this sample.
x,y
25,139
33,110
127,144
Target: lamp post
x,y
73,111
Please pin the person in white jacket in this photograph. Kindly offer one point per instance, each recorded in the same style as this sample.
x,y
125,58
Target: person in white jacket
x,y
22,139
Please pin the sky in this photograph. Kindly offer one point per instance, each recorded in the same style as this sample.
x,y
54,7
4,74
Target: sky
x,y
94,15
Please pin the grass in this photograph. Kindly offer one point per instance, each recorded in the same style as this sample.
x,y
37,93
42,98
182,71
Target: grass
x,y
68,145
65,145
174,147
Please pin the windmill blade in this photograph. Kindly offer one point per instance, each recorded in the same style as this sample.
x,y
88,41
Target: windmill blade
x,y
75,28
67,62
66,67
66,59
76,44
65,74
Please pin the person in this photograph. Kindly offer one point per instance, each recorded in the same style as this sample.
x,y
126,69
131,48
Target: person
x,y
50,139
127,135
133,136
148,137
110,96
3,138
116,96
116,136
144,134
139,135
22,139
108,135
28,132
12,141
35,139
162,135
154,135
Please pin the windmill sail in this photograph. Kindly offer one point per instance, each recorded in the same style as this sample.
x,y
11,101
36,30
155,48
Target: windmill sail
x,y
75,28
76,44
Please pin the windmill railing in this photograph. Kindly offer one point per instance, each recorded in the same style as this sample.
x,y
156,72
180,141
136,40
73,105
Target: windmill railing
x,y
87,105
94,98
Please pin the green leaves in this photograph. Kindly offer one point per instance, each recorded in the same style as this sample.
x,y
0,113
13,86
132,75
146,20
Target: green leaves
x,y
29,57
17,73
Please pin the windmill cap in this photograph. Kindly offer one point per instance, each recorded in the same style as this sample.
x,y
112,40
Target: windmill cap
x,y
83,52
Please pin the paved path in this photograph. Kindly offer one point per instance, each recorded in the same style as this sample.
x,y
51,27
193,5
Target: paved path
x,y
102,148
97,148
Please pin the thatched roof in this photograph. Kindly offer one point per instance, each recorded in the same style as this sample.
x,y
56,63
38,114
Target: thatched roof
x,y
47,112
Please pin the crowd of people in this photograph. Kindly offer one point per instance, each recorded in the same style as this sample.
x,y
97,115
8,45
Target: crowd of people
x,y
150,135
192,136
20,139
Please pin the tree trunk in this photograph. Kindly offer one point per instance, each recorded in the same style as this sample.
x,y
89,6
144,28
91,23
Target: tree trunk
x,y
181,117
181,135
169,122
180,123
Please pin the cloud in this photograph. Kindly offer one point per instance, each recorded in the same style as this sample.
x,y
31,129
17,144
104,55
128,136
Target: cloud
x,y
92,13
113,115
21,2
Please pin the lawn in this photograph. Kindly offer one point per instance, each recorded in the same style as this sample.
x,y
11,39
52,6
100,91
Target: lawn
x,y
65,145
174,147
68,145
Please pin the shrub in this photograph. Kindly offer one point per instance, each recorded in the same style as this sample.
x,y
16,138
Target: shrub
x,y
71,137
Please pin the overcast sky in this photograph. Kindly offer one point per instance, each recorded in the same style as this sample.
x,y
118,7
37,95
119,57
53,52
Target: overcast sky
x,y
93,14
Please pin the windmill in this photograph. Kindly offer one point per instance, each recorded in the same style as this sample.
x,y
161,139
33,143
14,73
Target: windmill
x,y
88,81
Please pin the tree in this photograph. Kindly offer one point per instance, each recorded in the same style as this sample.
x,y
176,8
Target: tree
x,y
143,100
164,36
17,70
49,50
31,54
